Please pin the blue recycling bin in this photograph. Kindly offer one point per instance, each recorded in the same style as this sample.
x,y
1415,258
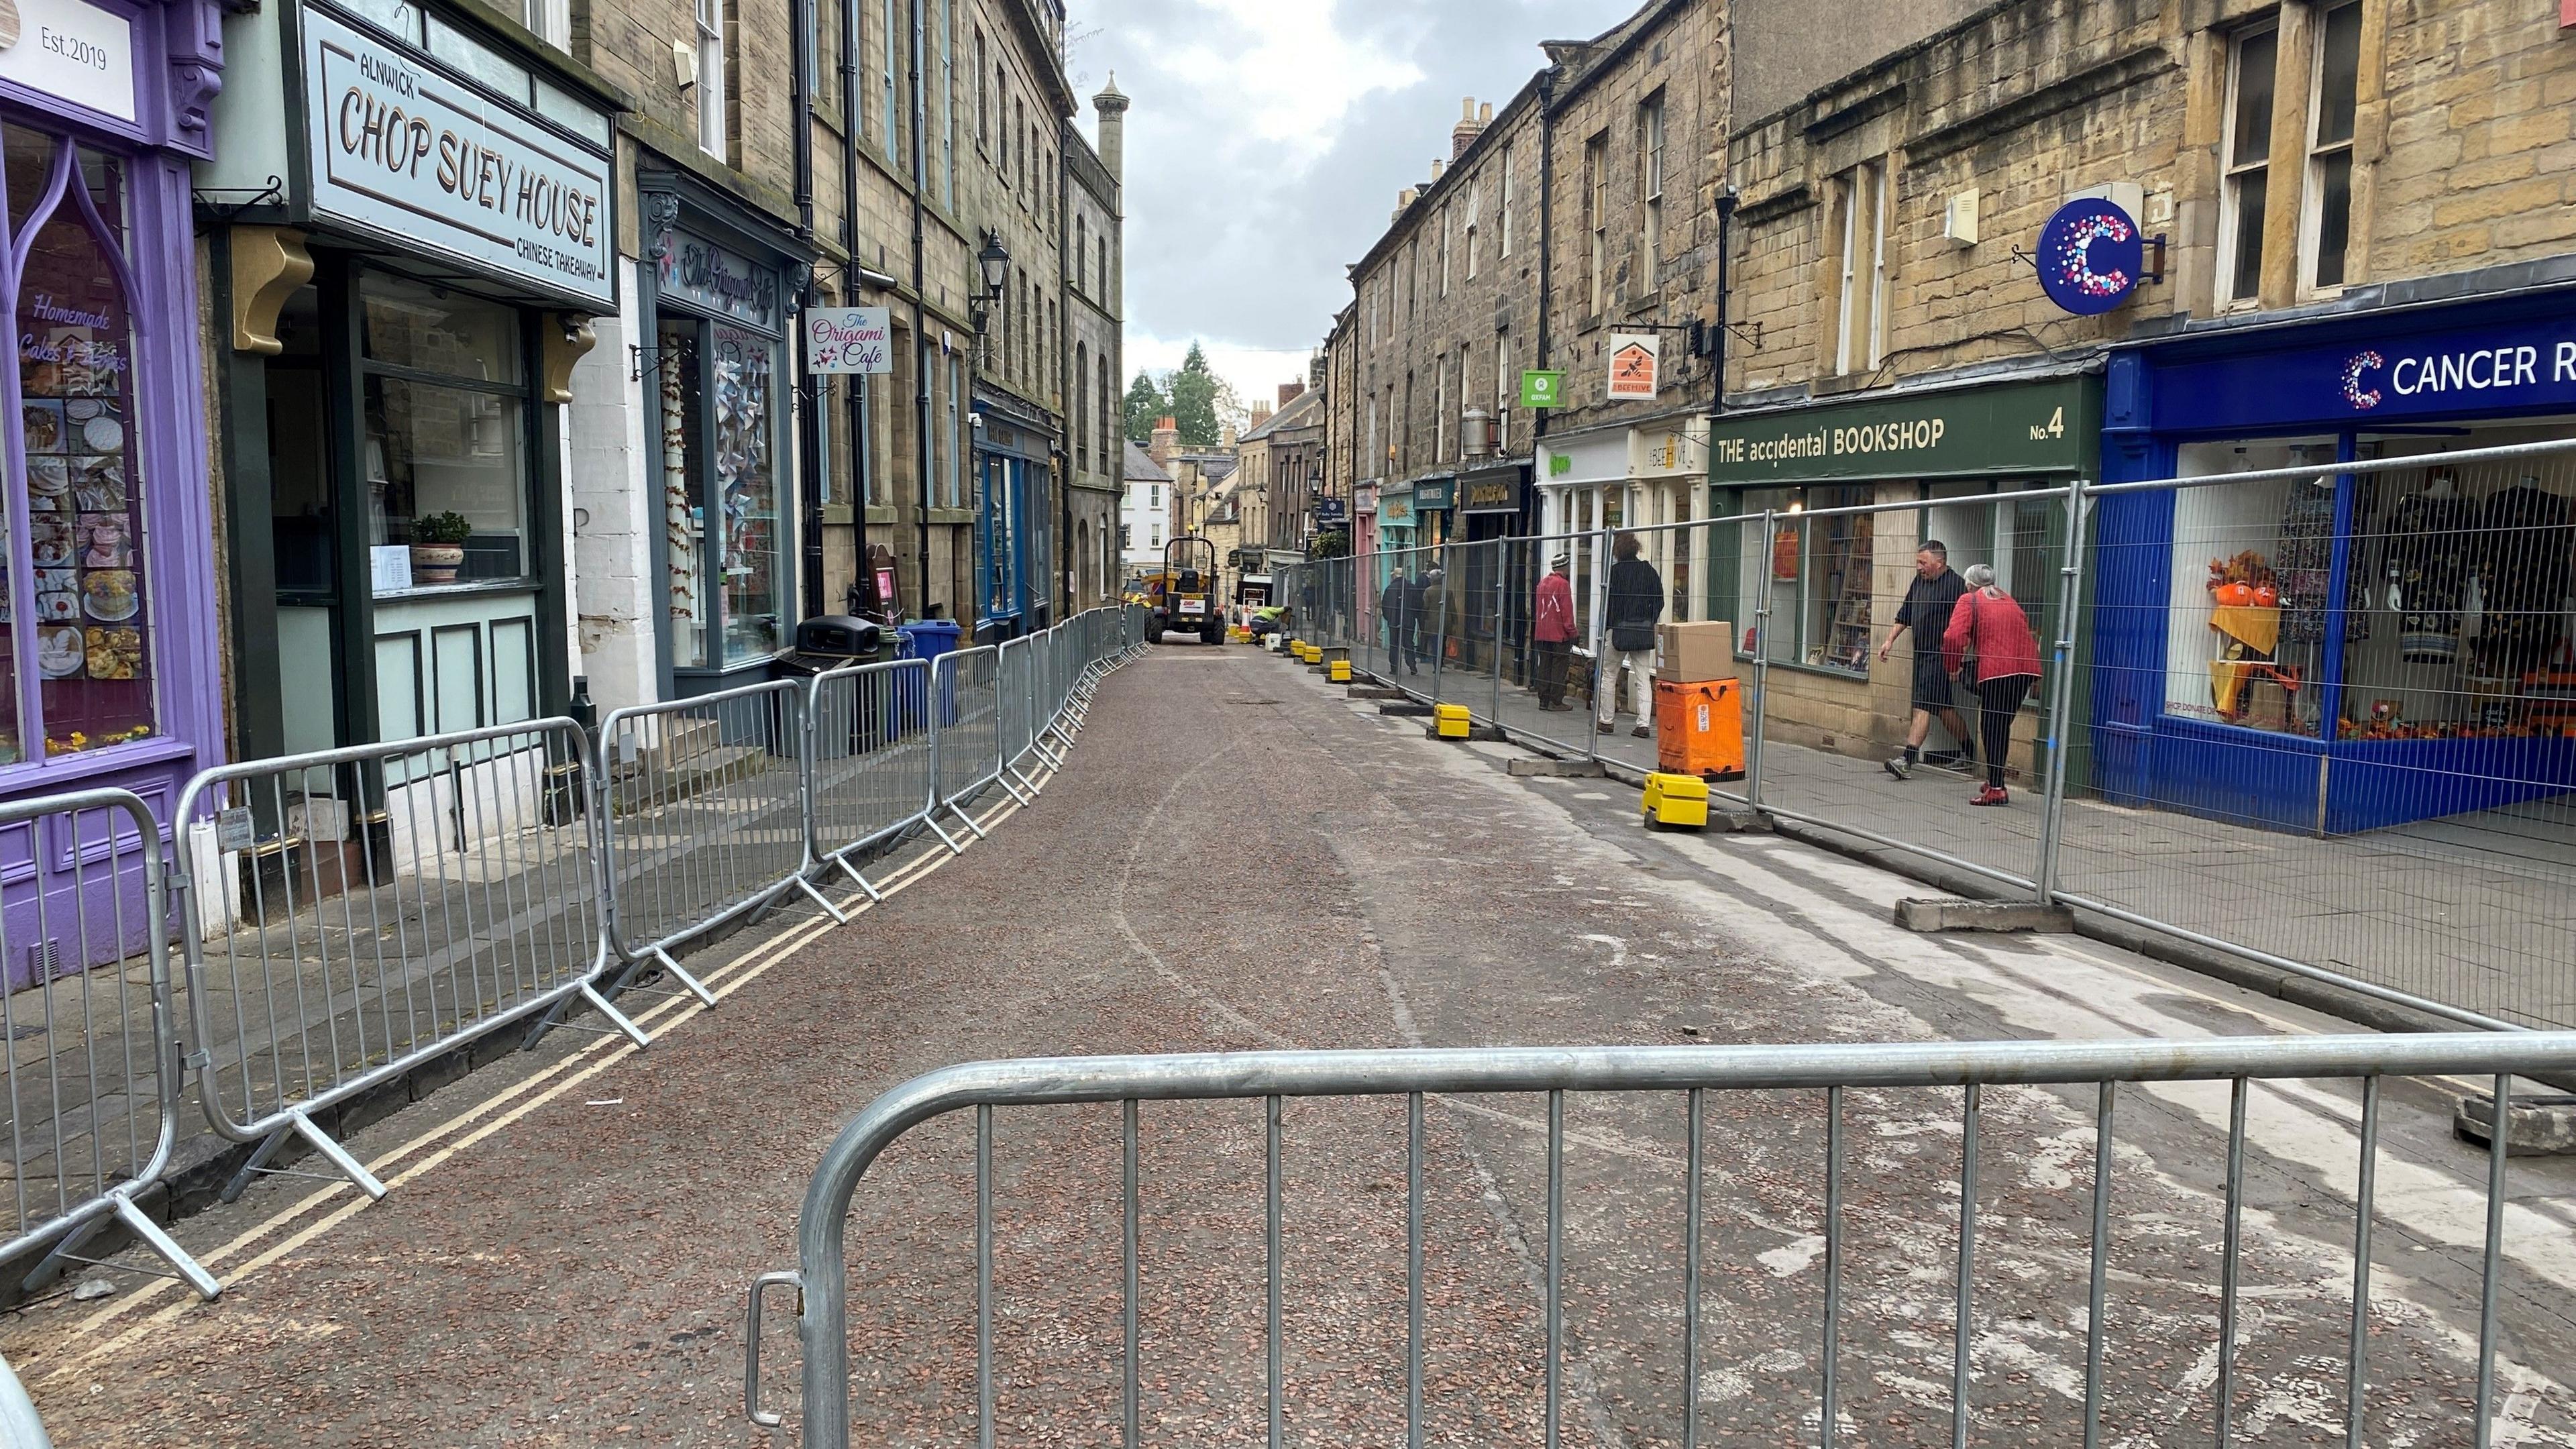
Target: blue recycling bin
x,y
926,640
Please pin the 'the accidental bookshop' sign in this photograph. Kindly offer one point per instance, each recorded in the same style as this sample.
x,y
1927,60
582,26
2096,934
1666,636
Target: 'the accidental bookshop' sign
x,y
2011,428
401,148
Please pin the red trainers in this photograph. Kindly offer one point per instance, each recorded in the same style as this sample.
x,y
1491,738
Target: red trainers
x,y
1992,795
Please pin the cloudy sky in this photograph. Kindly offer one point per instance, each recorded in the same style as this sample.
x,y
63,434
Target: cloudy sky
x,y
1268,141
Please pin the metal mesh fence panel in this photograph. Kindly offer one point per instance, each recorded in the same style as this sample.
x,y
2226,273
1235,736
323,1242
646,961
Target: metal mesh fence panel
x,y
2331,716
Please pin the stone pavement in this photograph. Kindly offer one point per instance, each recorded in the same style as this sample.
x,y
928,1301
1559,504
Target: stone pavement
x,y
2476,911
563,1256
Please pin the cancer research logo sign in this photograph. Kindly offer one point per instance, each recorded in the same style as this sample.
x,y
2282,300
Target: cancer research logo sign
x,y
2362,398
2090,256
2509,370
849,340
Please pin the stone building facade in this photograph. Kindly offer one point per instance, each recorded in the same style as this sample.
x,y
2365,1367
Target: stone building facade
x,y
1093,284
1444,317
2300,163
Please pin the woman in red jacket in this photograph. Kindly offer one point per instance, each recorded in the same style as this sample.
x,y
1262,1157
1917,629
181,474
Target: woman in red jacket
x,y
1992,623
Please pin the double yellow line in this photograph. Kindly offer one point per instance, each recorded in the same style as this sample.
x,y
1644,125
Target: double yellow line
x,y
237,1260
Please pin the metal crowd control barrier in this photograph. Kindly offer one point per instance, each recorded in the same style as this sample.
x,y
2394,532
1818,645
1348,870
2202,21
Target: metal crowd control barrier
x,y
1019,668
391,903
821,1277
966,698
94,1072
383,905
703,818
871,761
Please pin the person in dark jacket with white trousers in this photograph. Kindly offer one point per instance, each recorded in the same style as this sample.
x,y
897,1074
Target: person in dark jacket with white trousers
x,y
1628,619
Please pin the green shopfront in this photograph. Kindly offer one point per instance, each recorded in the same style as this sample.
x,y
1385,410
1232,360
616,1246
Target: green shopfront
x,y
1833,580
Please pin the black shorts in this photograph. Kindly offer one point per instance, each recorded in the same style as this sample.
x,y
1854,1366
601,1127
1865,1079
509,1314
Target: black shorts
x,y
1932,684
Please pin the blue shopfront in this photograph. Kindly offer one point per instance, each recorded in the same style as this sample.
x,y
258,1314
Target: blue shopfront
x,y
1016,503
2329,651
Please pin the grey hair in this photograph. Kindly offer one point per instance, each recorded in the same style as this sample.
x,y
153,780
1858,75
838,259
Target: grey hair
x,y
1980,575
1936,548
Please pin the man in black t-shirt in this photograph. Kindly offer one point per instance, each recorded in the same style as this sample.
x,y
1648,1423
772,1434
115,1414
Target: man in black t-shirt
x,y
1926,611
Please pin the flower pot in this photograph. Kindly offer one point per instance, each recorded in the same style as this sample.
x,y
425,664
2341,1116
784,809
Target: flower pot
x,y
436,563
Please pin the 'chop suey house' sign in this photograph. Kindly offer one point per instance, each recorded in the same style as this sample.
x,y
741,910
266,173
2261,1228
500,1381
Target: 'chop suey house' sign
x,y
401,148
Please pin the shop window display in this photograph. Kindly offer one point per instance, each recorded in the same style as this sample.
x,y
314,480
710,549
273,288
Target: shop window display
x,y
81,569
720,493
1818,571
446,431
2455,614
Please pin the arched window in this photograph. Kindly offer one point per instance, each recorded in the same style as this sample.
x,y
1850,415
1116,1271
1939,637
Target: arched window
x,y
1081,416
74,289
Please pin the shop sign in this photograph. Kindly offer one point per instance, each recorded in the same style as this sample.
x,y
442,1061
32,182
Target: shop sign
x,y
1496,492
1542,389
1633,360
1331,513
849,340
1395,508
400,148
2510,365
1435,495
1364,499
2090,256
2032,427
707,276
70,50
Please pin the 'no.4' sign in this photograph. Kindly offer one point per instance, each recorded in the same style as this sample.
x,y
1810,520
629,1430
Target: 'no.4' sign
x,y
849,340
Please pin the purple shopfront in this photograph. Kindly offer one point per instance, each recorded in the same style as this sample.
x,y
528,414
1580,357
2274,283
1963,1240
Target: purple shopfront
x,y
109,644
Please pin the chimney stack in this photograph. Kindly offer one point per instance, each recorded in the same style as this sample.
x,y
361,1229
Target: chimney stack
x,y
1112,106
1289,392
1260,411
1469,127
1167,441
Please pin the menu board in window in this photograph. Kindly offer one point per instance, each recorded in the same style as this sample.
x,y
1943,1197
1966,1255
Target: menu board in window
x,y
84,497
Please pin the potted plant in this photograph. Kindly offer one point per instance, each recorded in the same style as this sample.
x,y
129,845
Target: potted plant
x,y
438,547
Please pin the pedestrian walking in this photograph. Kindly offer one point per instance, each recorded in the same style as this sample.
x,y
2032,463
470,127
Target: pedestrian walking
x,y
1635,605
1991,623
1926,611
1428,621
1395,610
1552,632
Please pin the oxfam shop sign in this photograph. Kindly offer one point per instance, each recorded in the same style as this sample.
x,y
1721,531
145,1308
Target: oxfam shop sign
x,y
2051,426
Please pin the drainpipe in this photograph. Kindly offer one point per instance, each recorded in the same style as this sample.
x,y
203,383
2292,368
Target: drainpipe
x,y
920,285
1061,555
809,420
1717,345
862,441
1546,253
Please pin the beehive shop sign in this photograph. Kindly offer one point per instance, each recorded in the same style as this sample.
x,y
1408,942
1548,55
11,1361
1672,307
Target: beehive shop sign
x,y
2018,428
402,149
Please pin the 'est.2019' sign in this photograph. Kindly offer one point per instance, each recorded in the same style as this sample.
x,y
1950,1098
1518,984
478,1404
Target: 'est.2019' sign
x,y
400,148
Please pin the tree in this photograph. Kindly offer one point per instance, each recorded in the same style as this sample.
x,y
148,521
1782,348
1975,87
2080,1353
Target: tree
x,y
1147,404
1193,391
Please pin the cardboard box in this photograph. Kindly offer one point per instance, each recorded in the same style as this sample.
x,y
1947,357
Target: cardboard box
x,y
1694,653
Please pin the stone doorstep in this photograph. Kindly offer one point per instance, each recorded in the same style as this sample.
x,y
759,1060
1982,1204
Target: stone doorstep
x,y
1917,913
2538,1126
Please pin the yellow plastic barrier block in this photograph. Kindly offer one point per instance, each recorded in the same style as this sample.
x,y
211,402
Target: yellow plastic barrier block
x,y
1339,673
1676,800
1452,720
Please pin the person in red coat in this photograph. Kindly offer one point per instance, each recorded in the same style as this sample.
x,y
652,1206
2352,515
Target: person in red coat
x,y
1552,633
1990,623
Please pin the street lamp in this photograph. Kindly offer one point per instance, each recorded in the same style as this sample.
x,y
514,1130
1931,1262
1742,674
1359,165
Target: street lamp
x,y
995,260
